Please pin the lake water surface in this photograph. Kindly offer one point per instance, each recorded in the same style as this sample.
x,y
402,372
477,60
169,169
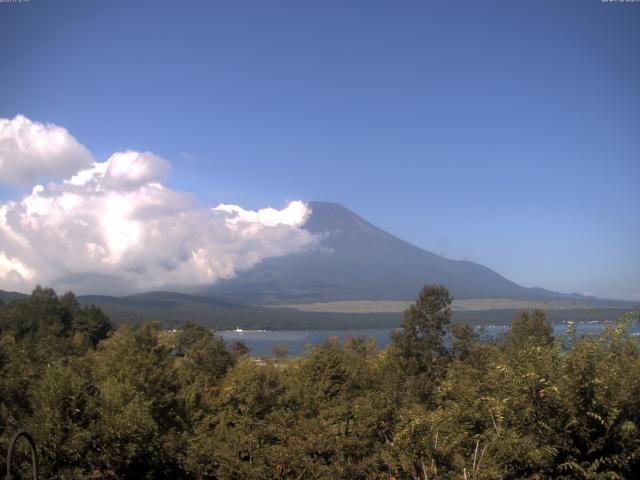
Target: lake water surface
x,y
261,342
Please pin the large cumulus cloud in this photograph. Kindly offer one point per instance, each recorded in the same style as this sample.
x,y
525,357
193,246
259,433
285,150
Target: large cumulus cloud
x,y
115,228
31,150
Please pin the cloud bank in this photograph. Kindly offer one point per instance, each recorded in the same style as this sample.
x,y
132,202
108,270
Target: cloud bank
x,y
113,227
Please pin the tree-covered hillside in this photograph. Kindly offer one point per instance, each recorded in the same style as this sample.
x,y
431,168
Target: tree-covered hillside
x,y
143,402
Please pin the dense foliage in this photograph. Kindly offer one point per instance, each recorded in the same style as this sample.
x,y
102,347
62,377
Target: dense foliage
x,y
148,403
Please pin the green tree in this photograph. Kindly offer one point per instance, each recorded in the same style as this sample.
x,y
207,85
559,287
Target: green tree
x,y
418,343
45,315
529,327
203,361
65,409
234,441
37,316
465,342
92,324
137,433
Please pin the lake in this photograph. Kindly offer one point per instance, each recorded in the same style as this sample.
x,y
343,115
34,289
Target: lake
x,y
261,342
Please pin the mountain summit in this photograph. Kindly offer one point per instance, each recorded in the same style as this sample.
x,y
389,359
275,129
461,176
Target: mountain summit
x,y
357,260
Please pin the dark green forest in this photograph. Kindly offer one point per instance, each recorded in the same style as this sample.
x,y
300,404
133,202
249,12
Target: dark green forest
x,y
142,402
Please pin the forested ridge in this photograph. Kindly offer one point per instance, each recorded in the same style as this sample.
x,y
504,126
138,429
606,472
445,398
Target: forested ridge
x,y
143,402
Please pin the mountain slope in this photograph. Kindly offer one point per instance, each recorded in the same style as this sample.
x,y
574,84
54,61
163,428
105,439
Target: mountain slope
x,y
357,260
7,297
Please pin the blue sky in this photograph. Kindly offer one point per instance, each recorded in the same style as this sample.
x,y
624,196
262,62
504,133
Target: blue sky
x,y
503,132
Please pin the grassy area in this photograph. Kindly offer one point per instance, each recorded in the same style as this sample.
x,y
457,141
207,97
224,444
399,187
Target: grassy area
x,y
470,304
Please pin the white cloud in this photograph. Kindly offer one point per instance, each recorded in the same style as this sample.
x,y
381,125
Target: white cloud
x,y
296,213
31,150
115,228
124,171
13,271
